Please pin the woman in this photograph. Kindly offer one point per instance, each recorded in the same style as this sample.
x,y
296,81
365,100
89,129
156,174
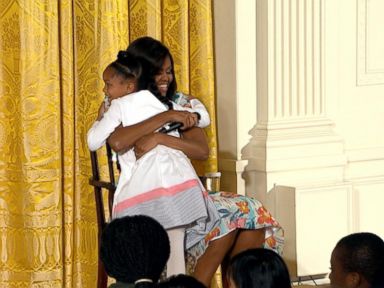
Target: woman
x,y
244,221
358,262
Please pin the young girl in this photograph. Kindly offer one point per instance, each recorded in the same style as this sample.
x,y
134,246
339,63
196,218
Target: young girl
x,y
162,183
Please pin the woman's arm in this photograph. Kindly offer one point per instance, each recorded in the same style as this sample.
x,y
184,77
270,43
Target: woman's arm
x,y
124,138
193,143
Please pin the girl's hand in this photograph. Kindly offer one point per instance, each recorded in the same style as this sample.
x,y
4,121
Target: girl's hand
x,y
103,107
145,144
101,112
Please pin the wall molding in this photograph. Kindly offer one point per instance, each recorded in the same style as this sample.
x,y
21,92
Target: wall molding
x,y
365,154
365,163
366,73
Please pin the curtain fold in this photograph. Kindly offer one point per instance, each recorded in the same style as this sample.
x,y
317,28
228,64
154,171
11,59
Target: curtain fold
x,y
30,156
52,54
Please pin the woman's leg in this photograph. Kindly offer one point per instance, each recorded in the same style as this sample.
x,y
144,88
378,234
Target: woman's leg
x,y
248,239
176,261
224,271
208,263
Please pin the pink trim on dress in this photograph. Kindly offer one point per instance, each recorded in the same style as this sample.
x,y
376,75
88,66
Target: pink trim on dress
x,y
155,193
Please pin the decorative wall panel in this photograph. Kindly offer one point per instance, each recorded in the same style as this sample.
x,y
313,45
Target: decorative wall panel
x,y
370,44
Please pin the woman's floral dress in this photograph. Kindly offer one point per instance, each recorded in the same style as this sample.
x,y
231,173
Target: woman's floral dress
x,y
238,212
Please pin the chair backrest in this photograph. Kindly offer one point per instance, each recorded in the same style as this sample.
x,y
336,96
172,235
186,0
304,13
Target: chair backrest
x,y
101,186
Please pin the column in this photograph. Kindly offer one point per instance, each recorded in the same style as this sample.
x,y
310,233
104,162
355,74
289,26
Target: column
x,y
296,161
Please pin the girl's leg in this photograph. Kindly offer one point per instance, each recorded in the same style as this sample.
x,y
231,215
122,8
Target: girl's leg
x,y
208,263
248,239
176,261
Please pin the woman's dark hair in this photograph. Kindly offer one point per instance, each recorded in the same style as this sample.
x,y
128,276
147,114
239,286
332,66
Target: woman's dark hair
x,y
127,66
181,281
259,268
133,248
363,253
151,54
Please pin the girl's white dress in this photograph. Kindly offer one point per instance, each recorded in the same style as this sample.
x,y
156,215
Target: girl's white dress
x,y
162,183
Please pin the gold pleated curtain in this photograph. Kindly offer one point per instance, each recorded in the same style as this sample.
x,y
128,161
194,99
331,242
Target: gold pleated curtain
x,y
52,54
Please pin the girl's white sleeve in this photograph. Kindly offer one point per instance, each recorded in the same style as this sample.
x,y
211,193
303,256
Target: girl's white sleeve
x,y
101,129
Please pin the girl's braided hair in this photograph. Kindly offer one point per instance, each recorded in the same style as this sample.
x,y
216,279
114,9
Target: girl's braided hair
x,y
127,66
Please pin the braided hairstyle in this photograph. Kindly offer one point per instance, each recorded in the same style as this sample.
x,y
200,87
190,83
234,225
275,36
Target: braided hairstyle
x,y
134,248
363,253
151,53
259,268
126,66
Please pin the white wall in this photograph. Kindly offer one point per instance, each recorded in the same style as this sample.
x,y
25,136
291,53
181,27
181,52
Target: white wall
x,y
300,95
235,85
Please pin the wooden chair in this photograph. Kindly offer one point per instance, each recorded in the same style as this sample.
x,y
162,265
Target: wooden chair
x,y
99,187
210,180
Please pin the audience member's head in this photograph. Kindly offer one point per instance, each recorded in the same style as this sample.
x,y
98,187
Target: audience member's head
x,y
135,249
358,261
181,281
259,267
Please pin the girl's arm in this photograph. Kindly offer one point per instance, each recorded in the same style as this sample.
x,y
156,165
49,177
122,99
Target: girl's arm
x,y
124,138
105,124
193,143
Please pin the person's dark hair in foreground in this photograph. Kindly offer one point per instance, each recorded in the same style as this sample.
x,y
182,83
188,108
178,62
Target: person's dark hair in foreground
x,y
181,281
135,249
256,268
358,261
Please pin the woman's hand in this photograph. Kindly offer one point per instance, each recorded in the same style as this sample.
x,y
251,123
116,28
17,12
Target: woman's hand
x,y
186,118
145,144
